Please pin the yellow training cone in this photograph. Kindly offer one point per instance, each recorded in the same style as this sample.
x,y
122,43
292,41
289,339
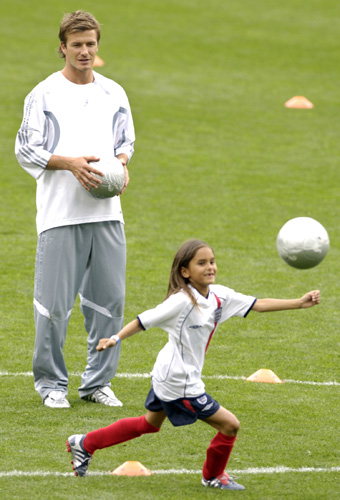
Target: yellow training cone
x,y
131,469
264,375
299,102
98,61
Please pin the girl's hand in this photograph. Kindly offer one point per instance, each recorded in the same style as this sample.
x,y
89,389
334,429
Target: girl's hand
x,y
105,343
128,330
310,299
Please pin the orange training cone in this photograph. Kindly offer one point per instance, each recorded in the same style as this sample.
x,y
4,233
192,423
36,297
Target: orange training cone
x,y
98,61
299,102
264,375
131,469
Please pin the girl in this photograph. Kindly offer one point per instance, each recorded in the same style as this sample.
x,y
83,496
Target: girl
x,y
193,309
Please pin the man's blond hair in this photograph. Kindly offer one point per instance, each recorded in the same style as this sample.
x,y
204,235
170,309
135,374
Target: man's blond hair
x,y
74,22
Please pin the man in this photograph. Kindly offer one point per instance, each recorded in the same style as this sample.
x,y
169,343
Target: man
x,y
71,120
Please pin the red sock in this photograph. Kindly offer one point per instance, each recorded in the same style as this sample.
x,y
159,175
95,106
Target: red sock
x,y
118,432
218,454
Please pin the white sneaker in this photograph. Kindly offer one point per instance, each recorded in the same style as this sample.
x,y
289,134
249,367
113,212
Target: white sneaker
x,y
56,399
105,396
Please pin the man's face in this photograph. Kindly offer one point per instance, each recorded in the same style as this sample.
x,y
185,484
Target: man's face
x,y
80,50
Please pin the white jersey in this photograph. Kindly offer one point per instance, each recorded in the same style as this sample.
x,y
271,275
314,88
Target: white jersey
x,y
178,368
67,119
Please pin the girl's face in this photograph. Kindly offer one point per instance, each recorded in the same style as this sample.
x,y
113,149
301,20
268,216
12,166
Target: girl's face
x,y
201,270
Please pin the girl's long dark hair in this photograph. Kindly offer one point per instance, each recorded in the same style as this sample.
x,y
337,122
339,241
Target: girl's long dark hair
x,y
184,255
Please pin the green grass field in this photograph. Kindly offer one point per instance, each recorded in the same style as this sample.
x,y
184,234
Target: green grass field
x,y
218,157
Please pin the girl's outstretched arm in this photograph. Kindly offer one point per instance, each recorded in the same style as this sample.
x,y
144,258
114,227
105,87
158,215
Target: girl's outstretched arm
x,y
128,330
310,299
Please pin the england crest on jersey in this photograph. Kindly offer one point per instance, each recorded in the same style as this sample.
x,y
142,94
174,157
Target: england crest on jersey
x,y
218,314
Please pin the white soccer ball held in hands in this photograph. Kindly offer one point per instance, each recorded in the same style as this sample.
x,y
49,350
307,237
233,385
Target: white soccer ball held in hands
x,y
113,180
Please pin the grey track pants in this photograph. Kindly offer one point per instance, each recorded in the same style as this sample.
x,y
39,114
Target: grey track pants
x,y
89,259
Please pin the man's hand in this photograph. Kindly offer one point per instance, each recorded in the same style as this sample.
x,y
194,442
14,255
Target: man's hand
x,y
127,179
124,159
80,168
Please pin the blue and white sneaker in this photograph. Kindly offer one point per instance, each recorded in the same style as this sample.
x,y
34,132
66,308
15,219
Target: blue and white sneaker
x,y
223,481
81,458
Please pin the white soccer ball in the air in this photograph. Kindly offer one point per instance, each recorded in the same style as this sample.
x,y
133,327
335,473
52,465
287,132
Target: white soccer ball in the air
x,y
113,180
302,242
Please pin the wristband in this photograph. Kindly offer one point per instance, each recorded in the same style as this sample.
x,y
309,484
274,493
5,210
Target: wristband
x,y
117,339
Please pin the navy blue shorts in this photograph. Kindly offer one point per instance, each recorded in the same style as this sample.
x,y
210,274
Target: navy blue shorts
x,y
183,411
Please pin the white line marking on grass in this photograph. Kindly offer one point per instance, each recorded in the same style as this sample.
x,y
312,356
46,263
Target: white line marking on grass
x,y
17,374
211,377
280,469
289,381
36,473
307,382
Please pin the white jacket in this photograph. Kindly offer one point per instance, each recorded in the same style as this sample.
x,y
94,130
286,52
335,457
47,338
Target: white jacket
x,y
67,119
